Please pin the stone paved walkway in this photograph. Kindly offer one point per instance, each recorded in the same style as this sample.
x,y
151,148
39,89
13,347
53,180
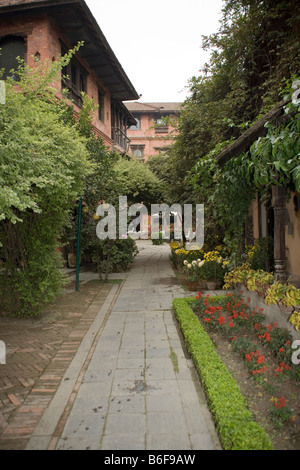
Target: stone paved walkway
x,y
130,385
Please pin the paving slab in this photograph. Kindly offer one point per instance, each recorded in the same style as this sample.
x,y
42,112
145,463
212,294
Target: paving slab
x,y
138,390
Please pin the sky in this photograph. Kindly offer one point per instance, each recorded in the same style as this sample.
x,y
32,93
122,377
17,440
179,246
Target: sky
x,y
158,42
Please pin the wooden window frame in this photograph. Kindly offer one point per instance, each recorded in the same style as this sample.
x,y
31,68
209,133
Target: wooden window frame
x,y
74,78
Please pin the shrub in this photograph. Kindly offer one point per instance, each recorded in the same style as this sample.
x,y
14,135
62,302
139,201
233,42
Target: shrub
x,y
43,164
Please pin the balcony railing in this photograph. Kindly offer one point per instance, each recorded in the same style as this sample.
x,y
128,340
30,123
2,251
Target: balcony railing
x,y
120,138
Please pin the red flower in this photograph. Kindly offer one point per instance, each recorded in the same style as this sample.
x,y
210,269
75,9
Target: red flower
x,y
256,326
266,336
231,325
258,371
260,360
281,403
221,320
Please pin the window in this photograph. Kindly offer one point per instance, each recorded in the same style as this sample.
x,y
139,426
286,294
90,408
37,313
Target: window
x,y
138,152
101,114
11,48
74,78
137,126
161,126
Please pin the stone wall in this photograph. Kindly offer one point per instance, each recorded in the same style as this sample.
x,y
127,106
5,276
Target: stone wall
x,y
272,312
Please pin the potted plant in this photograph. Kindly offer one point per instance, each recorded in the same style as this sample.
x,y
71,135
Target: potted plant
x,y
287,296
213,273
237,276
259,281
191,272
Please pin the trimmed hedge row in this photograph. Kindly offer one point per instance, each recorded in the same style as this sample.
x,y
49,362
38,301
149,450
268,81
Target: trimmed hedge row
x,y
234,421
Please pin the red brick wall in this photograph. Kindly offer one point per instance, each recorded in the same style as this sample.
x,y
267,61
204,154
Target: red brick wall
x,y
147,137
44,37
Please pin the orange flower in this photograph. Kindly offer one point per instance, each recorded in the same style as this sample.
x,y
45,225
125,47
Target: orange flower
x,y
281,404
260,360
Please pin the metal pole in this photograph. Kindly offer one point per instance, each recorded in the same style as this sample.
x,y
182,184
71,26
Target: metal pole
x,y
78,244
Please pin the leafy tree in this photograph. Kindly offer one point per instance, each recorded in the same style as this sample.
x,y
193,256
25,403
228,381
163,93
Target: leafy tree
x,y
112,176
256,47
136,181
43,166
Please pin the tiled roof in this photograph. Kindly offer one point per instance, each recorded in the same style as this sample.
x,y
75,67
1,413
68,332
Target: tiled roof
x,y
153,107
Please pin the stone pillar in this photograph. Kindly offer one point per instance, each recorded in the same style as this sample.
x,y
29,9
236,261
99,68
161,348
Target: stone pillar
x,y
279,205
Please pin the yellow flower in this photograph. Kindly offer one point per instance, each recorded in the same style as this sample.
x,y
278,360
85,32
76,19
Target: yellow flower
x,y
181,251
174,245
212,256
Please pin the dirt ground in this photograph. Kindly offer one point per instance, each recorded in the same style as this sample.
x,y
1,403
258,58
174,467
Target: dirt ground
x,y
260,397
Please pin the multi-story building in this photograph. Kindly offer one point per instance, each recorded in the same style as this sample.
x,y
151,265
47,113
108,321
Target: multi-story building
x,y
154,130
39,30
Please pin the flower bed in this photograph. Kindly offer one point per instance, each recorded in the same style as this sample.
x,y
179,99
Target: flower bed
x,y
201,268
234,422
258,354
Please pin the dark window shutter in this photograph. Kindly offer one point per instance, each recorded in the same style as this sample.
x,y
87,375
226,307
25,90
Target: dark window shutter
x,y
11,48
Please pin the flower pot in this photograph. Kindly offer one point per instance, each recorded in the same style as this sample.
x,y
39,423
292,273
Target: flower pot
x,y
72,260
202,284
261,293
285,310
211,285
193,286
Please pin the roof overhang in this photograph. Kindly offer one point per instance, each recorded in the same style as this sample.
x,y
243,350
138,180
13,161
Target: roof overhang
x,y
154,108
259,129
75,20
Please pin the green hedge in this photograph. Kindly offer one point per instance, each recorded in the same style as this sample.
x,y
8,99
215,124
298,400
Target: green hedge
x,y
234,421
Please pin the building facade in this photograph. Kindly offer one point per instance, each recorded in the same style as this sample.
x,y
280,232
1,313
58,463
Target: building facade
x,y
39,30
154,130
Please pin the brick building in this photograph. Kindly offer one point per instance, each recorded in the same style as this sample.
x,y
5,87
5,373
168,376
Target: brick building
x,y
154,129
39,30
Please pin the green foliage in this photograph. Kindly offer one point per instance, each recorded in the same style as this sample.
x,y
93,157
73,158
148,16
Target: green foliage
x,y
261,255
159,240
254,52
121,254
43,164
136,181
274,159
227,194
235,424
101,185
